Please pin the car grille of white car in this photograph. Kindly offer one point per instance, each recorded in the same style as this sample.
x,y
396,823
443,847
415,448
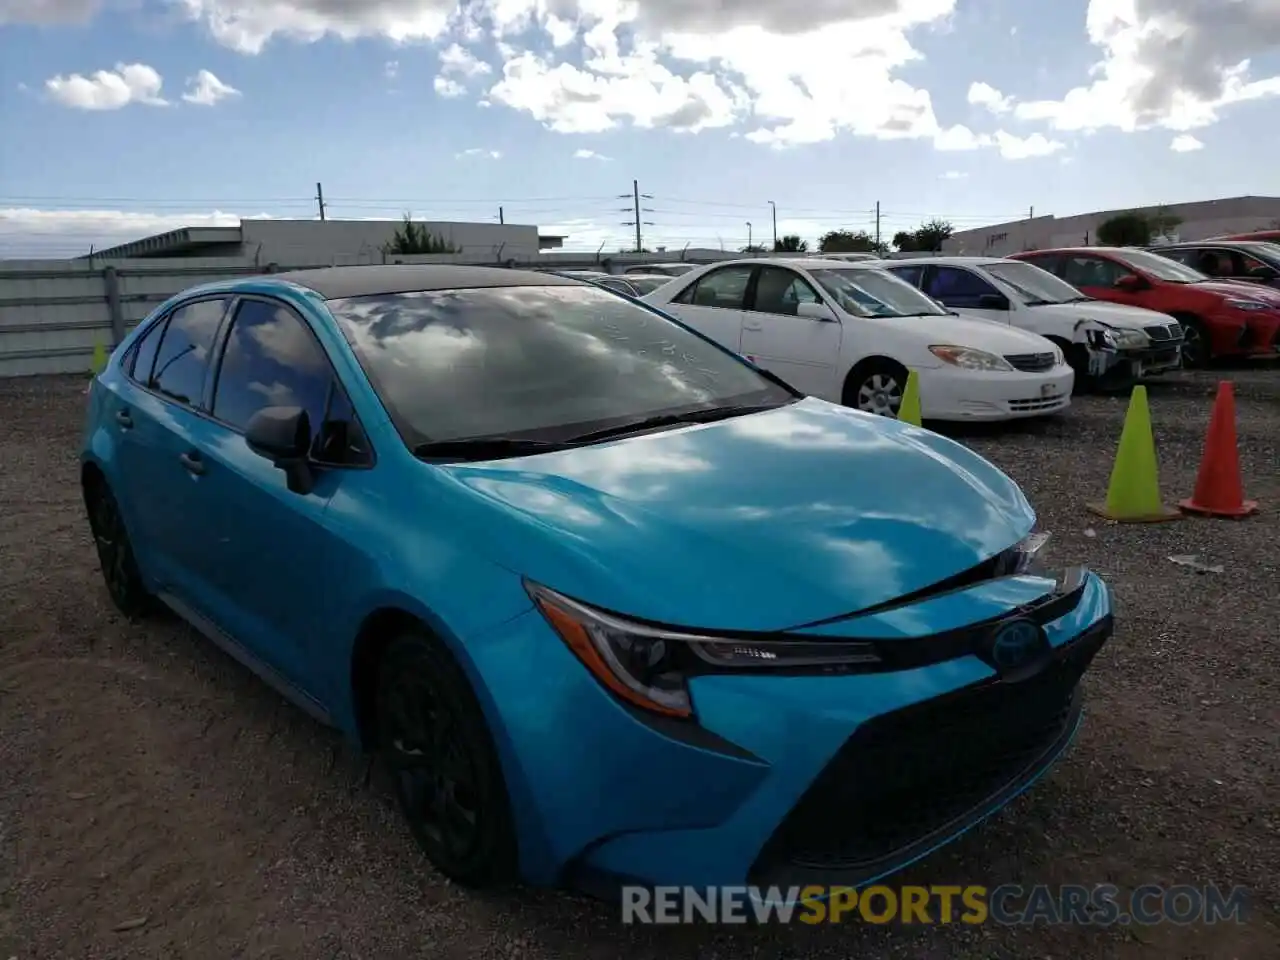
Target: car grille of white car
x,y
1032,405
1172,332
1031,362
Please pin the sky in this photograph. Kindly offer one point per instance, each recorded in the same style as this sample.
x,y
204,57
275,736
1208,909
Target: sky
x,y
123,118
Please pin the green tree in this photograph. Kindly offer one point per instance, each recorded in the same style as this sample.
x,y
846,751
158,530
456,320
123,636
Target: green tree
x,y
930,235
790,244
1131,229
413,238
754,248
849,241
905,241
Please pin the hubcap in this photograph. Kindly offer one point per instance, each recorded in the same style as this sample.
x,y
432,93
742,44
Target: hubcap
x,y
880,394
433,773
1192,345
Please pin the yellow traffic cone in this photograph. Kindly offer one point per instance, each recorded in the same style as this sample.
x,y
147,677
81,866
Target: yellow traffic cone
x,y
99,359
909,411
1133,495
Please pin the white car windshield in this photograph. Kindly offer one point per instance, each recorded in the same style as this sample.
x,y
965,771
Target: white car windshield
x,y
1036,287
1162,268
864,292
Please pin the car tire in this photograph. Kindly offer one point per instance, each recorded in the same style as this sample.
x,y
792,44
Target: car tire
x,y
1196,337
435,745
116,558
876,387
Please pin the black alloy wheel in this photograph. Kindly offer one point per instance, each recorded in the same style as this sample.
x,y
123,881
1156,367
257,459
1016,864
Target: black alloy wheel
x,y
115,553
445,771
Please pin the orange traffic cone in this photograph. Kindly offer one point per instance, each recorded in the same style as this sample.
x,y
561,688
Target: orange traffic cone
x,y
1219,491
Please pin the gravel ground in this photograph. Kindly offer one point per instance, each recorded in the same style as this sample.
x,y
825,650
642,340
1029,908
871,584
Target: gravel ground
x,y
148,782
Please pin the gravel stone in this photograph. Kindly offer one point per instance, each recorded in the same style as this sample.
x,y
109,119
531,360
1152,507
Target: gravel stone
x,y
145,775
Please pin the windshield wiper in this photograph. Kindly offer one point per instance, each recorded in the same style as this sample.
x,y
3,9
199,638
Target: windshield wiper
x,y
673,419
485,448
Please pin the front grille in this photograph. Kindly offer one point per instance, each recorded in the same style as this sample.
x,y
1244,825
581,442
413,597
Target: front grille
x,y
1159,333
906,779
1031,362
1031,405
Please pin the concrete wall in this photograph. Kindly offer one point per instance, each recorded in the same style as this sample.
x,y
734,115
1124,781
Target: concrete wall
x,y
1199,220
337,242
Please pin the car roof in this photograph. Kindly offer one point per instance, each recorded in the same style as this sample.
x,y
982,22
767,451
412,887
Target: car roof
x,y
338,283
808,263
1205,243
944,261
1099,250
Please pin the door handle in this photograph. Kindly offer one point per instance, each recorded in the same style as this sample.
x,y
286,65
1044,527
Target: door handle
x,y
192,462
124,419
753,325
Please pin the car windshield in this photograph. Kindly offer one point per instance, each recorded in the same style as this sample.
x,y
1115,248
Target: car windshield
x,y
1034,285
1162,268
865,292
536,363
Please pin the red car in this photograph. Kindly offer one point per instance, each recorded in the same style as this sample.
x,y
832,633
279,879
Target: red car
x,y
1220,318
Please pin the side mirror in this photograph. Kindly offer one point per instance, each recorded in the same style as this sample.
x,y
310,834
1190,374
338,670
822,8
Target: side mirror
x,y
283,436
1264,273
1131,283
815,311
993,301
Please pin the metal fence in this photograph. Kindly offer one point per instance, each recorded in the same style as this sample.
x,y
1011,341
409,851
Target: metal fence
x,y
54,313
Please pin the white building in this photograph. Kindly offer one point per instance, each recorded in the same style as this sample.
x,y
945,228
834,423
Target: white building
x,y
302,243
1208,218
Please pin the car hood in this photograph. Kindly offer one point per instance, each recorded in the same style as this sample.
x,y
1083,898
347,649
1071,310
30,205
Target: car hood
x,y
1245,291
762,522
1114,314
970,331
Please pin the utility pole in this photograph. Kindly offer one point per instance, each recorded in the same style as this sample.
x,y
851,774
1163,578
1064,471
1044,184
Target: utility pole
x,y
750,244
500,216
877,226
320,200
774,208
635,196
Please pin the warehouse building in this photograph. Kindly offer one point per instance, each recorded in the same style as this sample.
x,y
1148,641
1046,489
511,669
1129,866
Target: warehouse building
x,y
1195,221
299,243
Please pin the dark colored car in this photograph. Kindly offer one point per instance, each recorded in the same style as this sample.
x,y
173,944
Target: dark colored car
x,y
1220,318
1247,261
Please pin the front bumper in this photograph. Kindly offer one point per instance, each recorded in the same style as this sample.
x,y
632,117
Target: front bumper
x,y
1254,336
833,779
952,394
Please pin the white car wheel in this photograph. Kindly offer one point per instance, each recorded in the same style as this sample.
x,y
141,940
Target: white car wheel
x,y
880,393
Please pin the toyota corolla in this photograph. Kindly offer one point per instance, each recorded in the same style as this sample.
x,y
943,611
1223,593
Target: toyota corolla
x,y
611,604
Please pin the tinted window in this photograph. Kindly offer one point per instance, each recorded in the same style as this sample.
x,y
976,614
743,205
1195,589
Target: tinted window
x,y
340,440
543,362
1184,255
183,357
1157,266
956,287
911,275
725,288
782,291
144,353
1050,262
270,360
1084,271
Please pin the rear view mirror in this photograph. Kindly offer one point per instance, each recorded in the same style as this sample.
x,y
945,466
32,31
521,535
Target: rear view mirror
x,y
993,301
283,436
815,311
1131,283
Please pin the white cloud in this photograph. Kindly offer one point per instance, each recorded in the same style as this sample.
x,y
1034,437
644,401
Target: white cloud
x,y
1022,148
205,89
1185,143
480,152
37,234
450,89
954,175
391,69
589,155
458,60
1173,64
986,96
108,89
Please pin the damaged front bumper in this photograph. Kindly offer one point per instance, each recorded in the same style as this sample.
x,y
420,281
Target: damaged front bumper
x,y
1118,355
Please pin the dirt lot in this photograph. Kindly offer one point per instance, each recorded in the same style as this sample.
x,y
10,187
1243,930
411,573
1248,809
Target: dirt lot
x,y
147,781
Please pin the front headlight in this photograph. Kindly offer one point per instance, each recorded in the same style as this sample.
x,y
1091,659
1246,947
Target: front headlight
x,y
1130,338
650,666
1024,557
969,358
1246,304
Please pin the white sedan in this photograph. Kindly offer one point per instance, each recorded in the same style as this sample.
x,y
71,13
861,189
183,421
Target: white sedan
x,y
849,333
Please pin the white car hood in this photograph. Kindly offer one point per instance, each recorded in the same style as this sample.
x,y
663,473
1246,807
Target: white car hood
x,y
1113,314
961,331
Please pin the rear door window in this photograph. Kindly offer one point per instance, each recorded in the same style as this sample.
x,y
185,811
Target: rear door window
x,y
183,358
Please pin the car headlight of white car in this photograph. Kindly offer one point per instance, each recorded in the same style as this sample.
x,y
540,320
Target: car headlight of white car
x,y
1130,339
969,358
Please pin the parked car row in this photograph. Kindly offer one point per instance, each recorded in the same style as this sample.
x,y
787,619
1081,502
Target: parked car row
x,y
530,542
